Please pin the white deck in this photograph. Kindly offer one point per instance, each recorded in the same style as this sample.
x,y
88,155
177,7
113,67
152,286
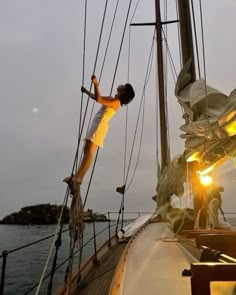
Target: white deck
x,y
155,266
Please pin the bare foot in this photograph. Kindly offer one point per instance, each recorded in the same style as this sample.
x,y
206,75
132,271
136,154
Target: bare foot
x,y
74,185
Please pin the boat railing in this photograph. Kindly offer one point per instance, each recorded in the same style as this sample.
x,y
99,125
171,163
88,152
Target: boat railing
x,y
111,228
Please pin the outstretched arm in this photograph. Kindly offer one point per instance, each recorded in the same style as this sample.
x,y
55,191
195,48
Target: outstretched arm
x,y
97,92
106,101
97,95
90,94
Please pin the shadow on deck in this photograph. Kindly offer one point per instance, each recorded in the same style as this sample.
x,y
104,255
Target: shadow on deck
x,y
98,281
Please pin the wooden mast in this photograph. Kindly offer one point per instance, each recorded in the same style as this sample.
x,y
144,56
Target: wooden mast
x,y
162,110
187,53
186,34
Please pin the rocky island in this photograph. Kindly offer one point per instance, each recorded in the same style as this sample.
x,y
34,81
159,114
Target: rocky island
x,y
47,214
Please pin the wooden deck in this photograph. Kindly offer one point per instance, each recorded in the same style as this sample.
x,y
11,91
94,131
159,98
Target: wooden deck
x,y
99,279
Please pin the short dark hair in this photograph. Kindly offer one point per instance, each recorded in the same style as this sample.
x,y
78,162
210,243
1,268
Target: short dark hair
x,y
128,95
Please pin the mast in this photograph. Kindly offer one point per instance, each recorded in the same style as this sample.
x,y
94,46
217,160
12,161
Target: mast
x,y
186,34
187,53
162,109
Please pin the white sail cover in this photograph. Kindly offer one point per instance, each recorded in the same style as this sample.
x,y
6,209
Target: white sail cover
x,y
210,115
209,133
170,182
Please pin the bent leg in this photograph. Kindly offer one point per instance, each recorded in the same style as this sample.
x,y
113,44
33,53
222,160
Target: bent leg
x,y
86,161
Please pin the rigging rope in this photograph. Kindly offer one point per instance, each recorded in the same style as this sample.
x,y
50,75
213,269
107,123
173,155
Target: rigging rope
x,y
57,245
187,194
204,64
165,31
196,40
136,6
104,59
165,75
53,242
127,113
83,64
147,77
180,49
115,72
121,45
77,149
76,211
94,69
87,103
127,109
203,47
171,60
142,103
128,78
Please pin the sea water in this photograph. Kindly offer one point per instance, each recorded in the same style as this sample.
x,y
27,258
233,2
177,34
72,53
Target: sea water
x,y
24,267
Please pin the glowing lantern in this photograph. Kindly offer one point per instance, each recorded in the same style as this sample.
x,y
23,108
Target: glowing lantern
x,y
205,180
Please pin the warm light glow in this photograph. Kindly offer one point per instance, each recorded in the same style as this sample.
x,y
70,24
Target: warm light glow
x,y
213,166
205,180
195,156
228,123
207,170
231,128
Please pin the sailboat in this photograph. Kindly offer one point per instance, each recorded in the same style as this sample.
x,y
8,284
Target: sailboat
x,y
189,250
175,250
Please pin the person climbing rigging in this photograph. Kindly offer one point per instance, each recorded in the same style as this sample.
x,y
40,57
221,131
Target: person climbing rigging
x,y
99,127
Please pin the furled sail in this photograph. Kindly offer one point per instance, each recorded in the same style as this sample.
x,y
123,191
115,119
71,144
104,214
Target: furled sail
x,y
209,133
169,184
210,120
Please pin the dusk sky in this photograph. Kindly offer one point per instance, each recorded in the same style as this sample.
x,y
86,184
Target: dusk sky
x,y
41,51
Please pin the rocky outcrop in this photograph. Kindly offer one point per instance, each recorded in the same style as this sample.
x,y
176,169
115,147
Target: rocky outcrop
x,y
38,214
46,214
90,216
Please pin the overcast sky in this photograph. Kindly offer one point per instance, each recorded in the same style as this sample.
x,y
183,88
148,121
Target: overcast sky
x,y
41,45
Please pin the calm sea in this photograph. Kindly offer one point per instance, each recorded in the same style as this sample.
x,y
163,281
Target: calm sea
x,y
24,267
